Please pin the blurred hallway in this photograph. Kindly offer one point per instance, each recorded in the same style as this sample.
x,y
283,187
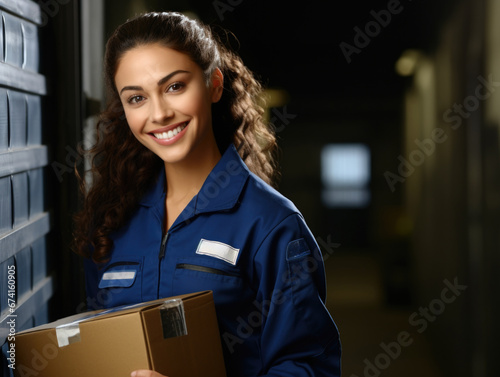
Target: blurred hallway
x,y
417,88
356,302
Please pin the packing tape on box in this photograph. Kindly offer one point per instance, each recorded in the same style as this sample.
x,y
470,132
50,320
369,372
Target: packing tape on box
x,y
68,334
173,320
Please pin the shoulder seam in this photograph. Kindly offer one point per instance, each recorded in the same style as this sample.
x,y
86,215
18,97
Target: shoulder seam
x,y
295,213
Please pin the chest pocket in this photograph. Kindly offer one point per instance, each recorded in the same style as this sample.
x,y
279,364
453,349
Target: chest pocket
x,y
198,274
121,282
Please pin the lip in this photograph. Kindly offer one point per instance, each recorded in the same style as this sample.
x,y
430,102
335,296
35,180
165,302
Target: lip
x,y
166,129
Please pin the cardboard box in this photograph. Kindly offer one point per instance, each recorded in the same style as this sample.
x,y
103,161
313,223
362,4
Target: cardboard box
x,y
180,338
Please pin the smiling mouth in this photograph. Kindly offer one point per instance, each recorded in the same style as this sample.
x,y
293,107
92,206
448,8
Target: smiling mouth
x,y
171,133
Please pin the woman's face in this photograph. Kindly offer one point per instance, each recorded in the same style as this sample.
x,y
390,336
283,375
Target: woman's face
x,y
167,101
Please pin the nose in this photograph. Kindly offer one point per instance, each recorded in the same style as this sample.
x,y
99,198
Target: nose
x,y
161,111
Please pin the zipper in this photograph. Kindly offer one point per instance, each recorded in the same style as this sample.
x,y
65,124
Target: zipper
x,y
161,254
195,267
163,246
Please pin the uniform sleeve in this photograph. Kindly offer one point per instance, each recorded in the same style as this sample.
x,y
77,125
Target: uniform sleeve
x,y
299,337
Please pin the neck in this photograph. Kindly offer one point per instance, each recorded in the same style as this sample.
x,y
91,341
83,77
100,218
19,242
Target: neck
x,y
185,178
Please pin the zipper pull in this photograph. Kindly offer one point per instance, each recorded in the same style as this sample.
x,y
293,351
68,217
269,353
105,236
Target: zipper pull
x,y
163,246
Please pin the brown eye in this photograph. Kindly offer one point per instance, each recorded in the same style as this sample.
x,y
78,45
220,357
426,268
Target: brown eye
x,y
175,87
135,99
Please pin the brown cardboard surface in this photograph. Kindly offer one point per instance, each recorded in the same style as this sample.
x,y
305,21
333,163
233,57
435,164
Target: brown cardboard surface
x,y
116,343
164,353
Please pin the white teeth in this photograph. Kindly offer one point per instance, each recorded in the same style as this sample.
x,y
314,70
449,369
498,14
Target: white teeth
x,y
170,134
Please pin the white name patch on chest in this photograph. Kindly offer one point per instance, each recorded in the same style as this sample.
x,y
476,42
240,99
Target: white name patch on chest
x,y
219,250
123,275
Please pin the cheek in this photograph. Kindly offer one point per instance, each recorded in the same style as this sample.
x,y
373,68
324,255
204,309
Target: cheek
x,y
196,103
197,106
135,121
185,105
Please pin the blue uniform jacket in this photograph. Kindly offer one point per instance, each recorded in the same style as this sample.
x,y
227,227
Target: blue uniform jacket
x,y
248,244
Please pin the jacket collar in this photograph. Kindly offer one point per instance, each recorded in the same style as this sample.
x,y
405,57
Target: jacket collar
x,y
220,191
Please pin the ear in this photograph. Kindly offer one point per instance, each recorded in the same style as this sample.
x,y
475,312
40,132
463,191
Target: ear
x,y
217,87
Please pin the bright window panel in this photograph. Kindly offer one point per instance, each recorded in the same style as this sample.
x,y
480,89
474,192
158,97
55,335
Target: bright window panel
x,y
345,173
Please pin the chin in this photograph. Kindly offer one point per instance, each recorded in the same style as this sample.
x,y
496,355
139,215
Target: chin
x,y
172,157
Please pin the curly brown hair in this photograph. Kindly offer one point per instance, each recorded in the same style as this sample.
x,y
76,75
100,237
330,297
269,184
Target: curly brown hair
x,y
118,159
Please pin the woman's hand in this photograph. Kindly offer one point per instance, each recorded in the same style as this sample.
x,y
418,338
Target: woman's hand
x,y
145,373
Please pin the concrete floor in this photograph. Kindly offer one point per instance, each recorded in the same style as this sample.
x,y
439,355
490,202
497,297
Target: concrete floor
x,y
356,302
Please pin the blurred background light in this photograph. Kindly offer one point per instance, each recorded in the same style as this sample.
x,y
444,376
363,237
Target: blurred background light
x,y
406,64
345,174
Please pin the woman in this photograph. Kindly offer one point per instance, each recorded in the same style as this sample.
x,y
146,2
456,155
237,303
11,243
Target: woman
x,y
181,201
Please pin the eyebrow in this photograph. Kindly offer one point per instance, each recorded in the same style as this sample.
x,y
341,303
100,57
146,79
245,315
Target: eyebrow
x,y
160,82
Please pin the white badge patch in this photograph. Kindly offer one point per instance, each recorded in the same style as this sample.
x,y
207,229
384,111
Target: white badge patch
x,y
218,250
122,275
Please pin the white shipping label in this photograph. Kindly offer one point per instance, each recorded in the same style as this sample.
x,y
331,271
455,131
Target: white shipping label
x,y
218,250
